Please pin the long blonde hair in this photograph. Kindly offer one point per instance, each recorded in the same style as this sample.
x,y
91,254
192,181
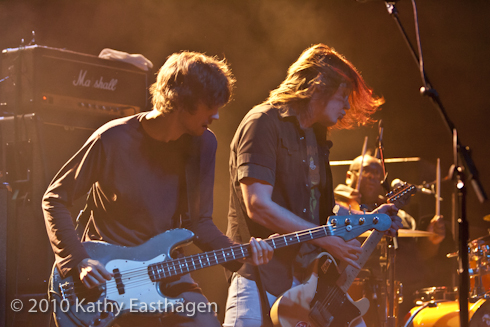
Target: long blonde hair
x,y
320,69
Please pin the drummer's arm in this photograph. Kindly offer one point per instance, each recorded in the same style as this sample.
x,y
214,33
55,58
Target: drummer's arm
x,y
429,247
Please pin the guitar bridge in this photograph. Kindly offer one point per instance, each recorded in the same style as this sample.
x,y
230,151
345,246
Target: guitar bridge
x,y
319,316
68,292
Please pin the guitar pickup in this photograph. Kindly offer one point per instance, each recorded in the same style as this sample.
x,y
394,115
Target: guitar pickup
x,y
119,282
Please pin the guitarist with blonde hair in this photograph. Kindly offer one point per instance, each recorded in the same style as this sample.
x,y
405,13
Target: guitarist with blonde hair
x,y
280,175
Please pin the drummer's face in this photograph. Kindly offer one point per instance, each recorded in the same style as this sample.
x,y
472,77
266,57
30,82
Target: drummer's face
x,y
370,187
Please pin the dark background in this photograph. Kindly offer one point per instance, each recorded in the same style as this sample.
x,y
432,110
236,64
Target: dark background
x,y
260,39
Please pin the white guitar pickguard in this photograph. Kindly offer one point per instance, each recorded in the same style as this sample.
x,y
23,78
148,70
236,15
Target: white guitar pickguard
x,y
141,294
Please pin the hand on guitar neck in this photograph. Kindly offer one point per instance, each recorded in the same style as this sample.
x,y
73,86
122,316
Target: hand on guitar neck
x,y
93,273
323,300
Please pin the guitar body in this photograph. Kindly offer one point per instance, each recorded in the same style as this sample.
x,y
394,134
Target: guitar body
x,y
141,272
315,302
75,305
323,300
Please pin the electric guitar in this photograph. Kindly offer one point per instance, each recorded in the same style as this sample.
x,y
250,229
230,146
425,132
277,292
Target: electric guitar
x,y
323,301
141,272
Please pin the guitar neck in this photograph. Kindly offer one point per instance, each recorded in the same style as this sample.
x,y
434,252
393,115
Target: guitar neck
x,y
349,273
175,267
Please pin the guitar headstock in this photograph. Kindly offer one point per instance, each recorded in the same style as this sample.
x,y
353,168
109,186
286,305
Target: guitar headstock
x,y
351,226
400,196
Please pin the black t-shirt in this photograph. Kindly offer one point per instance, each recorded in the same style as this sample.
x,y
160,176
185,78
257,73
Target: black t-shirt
x,y
135,184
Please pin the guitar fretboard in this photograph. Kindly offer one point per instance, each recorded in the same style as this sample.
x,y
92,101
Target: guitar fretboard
x,y
175,267
350,273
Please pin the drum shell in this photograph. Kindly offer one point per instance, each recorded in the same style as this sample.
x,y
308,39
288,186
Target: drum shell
x,y
446,314
439,293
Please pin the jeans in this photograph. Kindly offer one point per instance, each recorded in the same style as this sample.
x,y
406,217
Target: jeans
x,y
243,307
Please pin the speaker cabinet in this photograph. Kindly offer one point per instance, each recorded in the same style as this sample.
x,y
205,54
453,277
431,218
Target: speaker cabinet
x,y
33,149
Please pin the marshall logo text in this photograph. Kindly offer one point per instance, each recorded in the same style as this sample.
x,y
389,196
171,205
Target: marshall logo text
x,y
98,84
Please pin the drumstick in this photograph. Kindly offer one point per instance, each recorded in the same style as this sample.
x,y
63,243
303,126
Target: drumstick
x,y
438,188
362,163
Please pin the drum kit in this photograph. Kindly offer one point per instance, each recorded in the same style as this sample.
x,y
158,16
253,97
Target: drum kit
x,y
433,306
439,306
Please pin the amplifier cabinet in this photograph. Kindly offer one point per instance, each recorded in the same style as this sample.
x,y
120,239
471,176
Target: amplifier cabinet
x,y
38,78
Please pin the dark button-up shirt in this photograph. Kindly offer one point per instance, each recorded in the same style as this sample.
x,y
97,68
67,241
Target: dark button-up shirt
x,y
270,146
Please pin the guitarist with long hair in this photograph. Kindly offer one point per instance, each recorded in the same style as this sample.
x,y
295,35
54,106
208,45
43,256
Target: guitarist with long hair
x,y
147,174
280,175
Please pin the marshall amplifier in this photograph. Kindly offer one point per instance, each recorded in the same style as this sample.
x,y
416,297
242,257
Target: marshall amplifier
x,y
62,83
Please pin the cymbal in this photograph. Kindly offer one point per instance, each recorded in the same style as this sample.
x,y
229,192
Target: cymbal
x,y
405,233
387,160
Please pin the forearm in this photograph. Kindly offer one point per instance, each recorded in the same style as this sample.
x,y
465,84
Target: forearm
x,y
64,240
209,237
276,218
73,181
282,221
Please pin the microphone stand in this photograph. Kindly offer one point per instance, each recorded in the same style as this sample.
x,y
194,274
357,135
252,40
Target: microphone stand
x,y
463,153
379,155
392,246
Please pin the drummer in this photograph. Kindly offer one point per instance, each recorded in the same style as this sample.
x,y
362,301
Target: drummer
x,y
412,255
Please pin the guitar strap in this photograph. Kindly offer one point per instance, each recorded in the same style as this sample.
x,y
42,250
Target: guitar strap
x,y
190,185
264,301
84,216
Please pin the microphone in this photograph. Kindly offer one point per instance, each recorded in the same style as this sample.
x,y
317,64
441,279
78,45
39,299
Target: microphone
x,y
389,1
421,188
377,153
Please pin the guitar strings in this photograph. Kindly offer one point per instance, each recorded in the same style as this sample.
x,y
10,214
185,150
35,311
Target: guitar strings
x,y
137,277
337,291
213,257
136,274
172,266
180,265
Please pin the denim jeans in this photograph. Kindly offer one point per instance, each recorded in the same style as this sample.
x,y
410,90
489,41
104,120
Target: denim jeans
x,y
243,307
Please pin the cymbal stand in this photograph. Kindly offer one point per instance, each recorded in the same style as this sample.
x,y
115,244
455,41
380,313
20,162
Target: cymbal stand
x,y
384,264
391,293
392,246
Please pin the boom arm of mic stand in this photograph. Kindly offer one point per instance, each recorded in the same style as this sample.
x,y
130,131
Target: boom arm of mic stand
x,y
463,151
